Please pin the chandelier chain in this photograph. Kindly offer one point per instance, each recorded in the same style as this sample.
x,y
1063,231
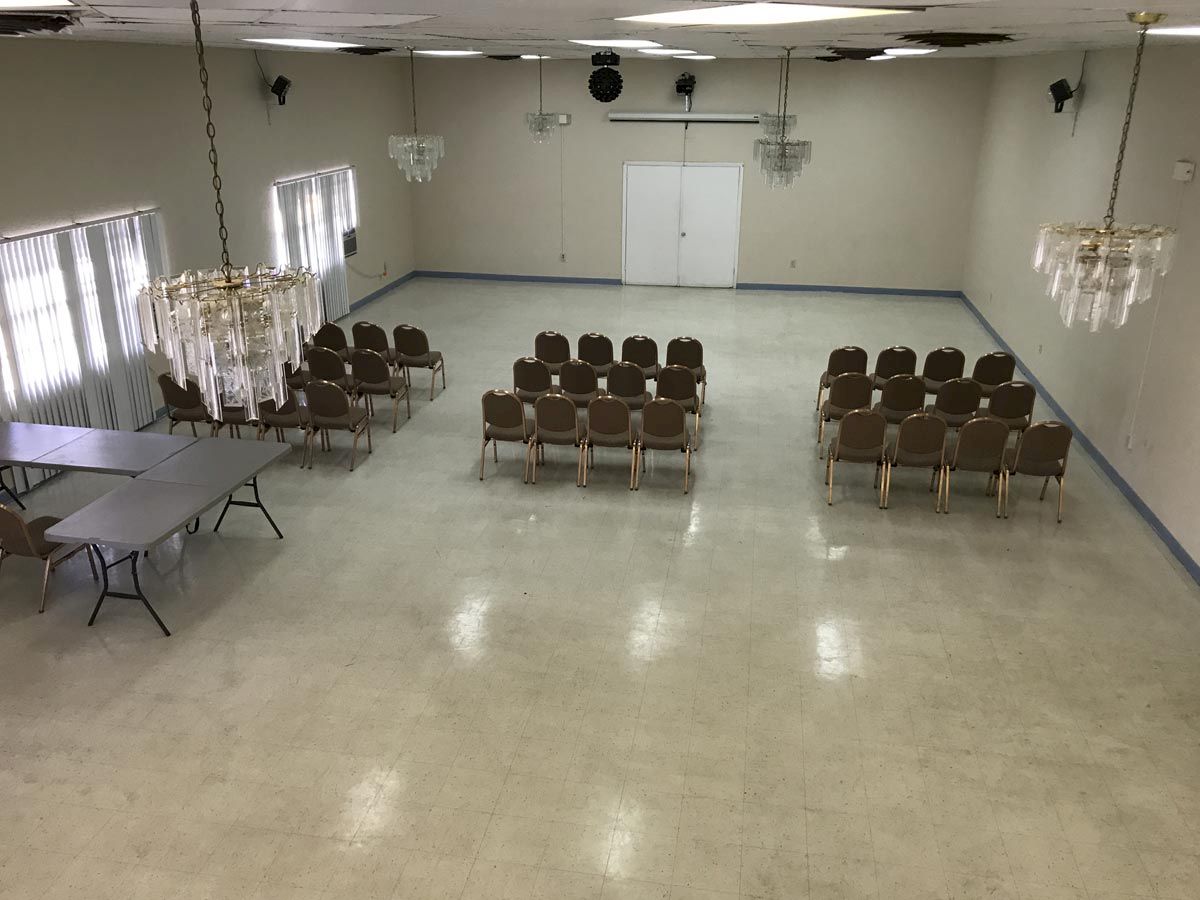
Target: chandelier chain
x,y
1110,217
540,110
787,83
412,82
211,130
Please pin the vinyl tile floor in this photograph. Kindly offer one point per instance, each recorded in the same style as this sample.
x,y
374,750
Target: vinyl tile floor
x,y
435,687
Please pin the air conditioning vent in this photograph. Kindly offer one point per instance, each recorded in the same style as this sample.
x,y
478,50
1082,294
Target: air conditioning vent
x,y
365,51
19,24
956,38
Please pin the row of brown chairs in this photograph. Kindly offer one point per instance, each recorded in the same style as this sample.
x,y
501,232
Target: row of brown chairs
x,y
941,365
981,446
554,349
410,350
556,421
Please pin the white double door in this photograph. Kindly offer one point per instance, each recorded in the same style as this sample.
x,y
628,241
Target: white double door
x,y
681,223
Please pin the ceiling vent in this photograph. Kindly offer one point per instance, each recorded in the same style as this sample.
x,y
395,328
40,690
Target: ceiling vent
x,y
952,39
365,51
20,24
504,57
851,53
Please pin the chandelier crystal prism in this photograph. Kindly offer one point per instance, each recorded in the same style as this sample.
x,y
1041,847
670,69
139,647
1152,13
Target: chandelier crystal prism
x,y
781,160
1098,273
541,124
417,155
230,330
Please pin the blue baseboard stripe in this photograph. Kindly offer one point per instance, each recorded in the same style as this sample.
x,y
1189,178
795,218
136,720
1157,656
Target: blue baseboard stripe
x,y
379,292
542,279
846,289
1164,533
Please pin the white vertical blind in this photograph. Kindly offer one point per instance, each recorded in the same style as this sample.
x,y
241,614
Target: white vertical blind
x,y
311,214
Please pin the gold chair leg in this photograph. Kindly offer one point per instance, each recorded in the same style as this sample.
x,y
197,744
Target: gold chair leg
x,y
432,381
354,450
45,585
687,466
407,400
820,392
639,467
632,464
1061,479
370,448
482,452
829,480
395,412
946,500
820,437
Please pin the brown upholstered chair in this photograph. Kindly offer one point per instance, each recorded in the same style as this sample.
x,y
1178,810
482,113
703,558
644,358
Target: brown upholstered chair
x,y
609,424
290,414
861,438
326,365
331,337
627,382
184,404
28,539
1012,403
902,396
848,391
369,336
1041,451
577,382
993,369
642,351
295,376
689,353
412,352
373,378
920,444
532,380
504,419
330,409
842,360
664,427
596,350
897,360
233,418
957,401
979,448
552,348
555,422
678,383
940,366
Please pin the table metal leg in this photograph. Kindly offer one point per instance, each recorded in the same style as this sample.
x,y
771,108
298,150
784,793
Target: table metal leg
x,y
11,491
124,595
257,501
194,527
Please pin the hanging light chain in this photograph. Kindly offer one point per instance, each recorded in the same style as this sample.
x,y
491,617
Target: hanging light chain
x,y
787,83
1110,217
219,206
412,81
540,110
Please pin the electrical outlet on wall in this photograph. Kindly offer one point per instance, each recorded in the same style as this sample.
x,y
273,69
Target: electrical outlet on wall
x,y
562,257
792,264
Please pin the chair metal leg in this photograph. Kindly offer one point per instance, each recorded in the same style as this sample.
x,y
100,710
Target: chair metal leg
x,y
45,584
687,466
829,480
1045,484
820,391
1061,479
584,450
407,400
946,499
820,437
1001,492
13,491
531,460
482,451
495,451
632,464
395,412
432,381
370,449
91,561
354,449
443,374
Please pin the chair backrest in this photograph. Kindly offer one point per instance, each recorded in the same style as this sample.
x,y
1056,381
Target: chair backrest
x,y
846,359
896,360
850,390
664,418
269,407
325,364
626,379
552,347
577,377
609,415
676,383
685,351
921,433
959,396
994,368
180,397
943,364
862,429
369,336
331,336
1043,443
981,444
1012,400
326,400
410,340
595,348
900,392
369,367
531,374
14,536
640,350
554,412
503,409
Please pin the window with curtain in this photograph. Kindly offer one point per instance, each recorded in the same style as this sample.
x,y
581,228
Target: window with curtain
x,y
311,215
70,348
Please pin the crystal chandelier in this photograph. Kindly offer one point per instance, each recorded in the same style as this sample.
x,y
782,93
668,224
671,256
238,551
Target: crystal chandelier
x,y
781,160
1097,273
231,330
541,124
416,154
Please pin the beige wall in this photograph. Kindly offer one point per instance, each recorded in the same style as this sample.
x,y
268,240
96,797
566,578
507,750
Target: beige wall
x,y
1032,170
885,203
95,129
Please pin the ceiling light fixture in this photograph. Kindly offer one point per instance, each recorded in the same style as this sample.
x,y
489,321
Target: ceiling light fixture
x,y
701,56
618,43
781,160
666,51
1096,273
301,43
910,51
761,14
533,56
231,330
450,52
417,155
881,57
1178,31
541,124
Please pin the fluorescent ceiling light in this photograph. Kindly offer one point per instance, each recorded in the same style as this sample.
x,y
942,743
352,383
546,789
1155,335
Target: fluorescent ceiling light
x,y
702,56
881,57
450,52
666,51
1174,30
619,44
533,56
761,14
306,43
910,51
